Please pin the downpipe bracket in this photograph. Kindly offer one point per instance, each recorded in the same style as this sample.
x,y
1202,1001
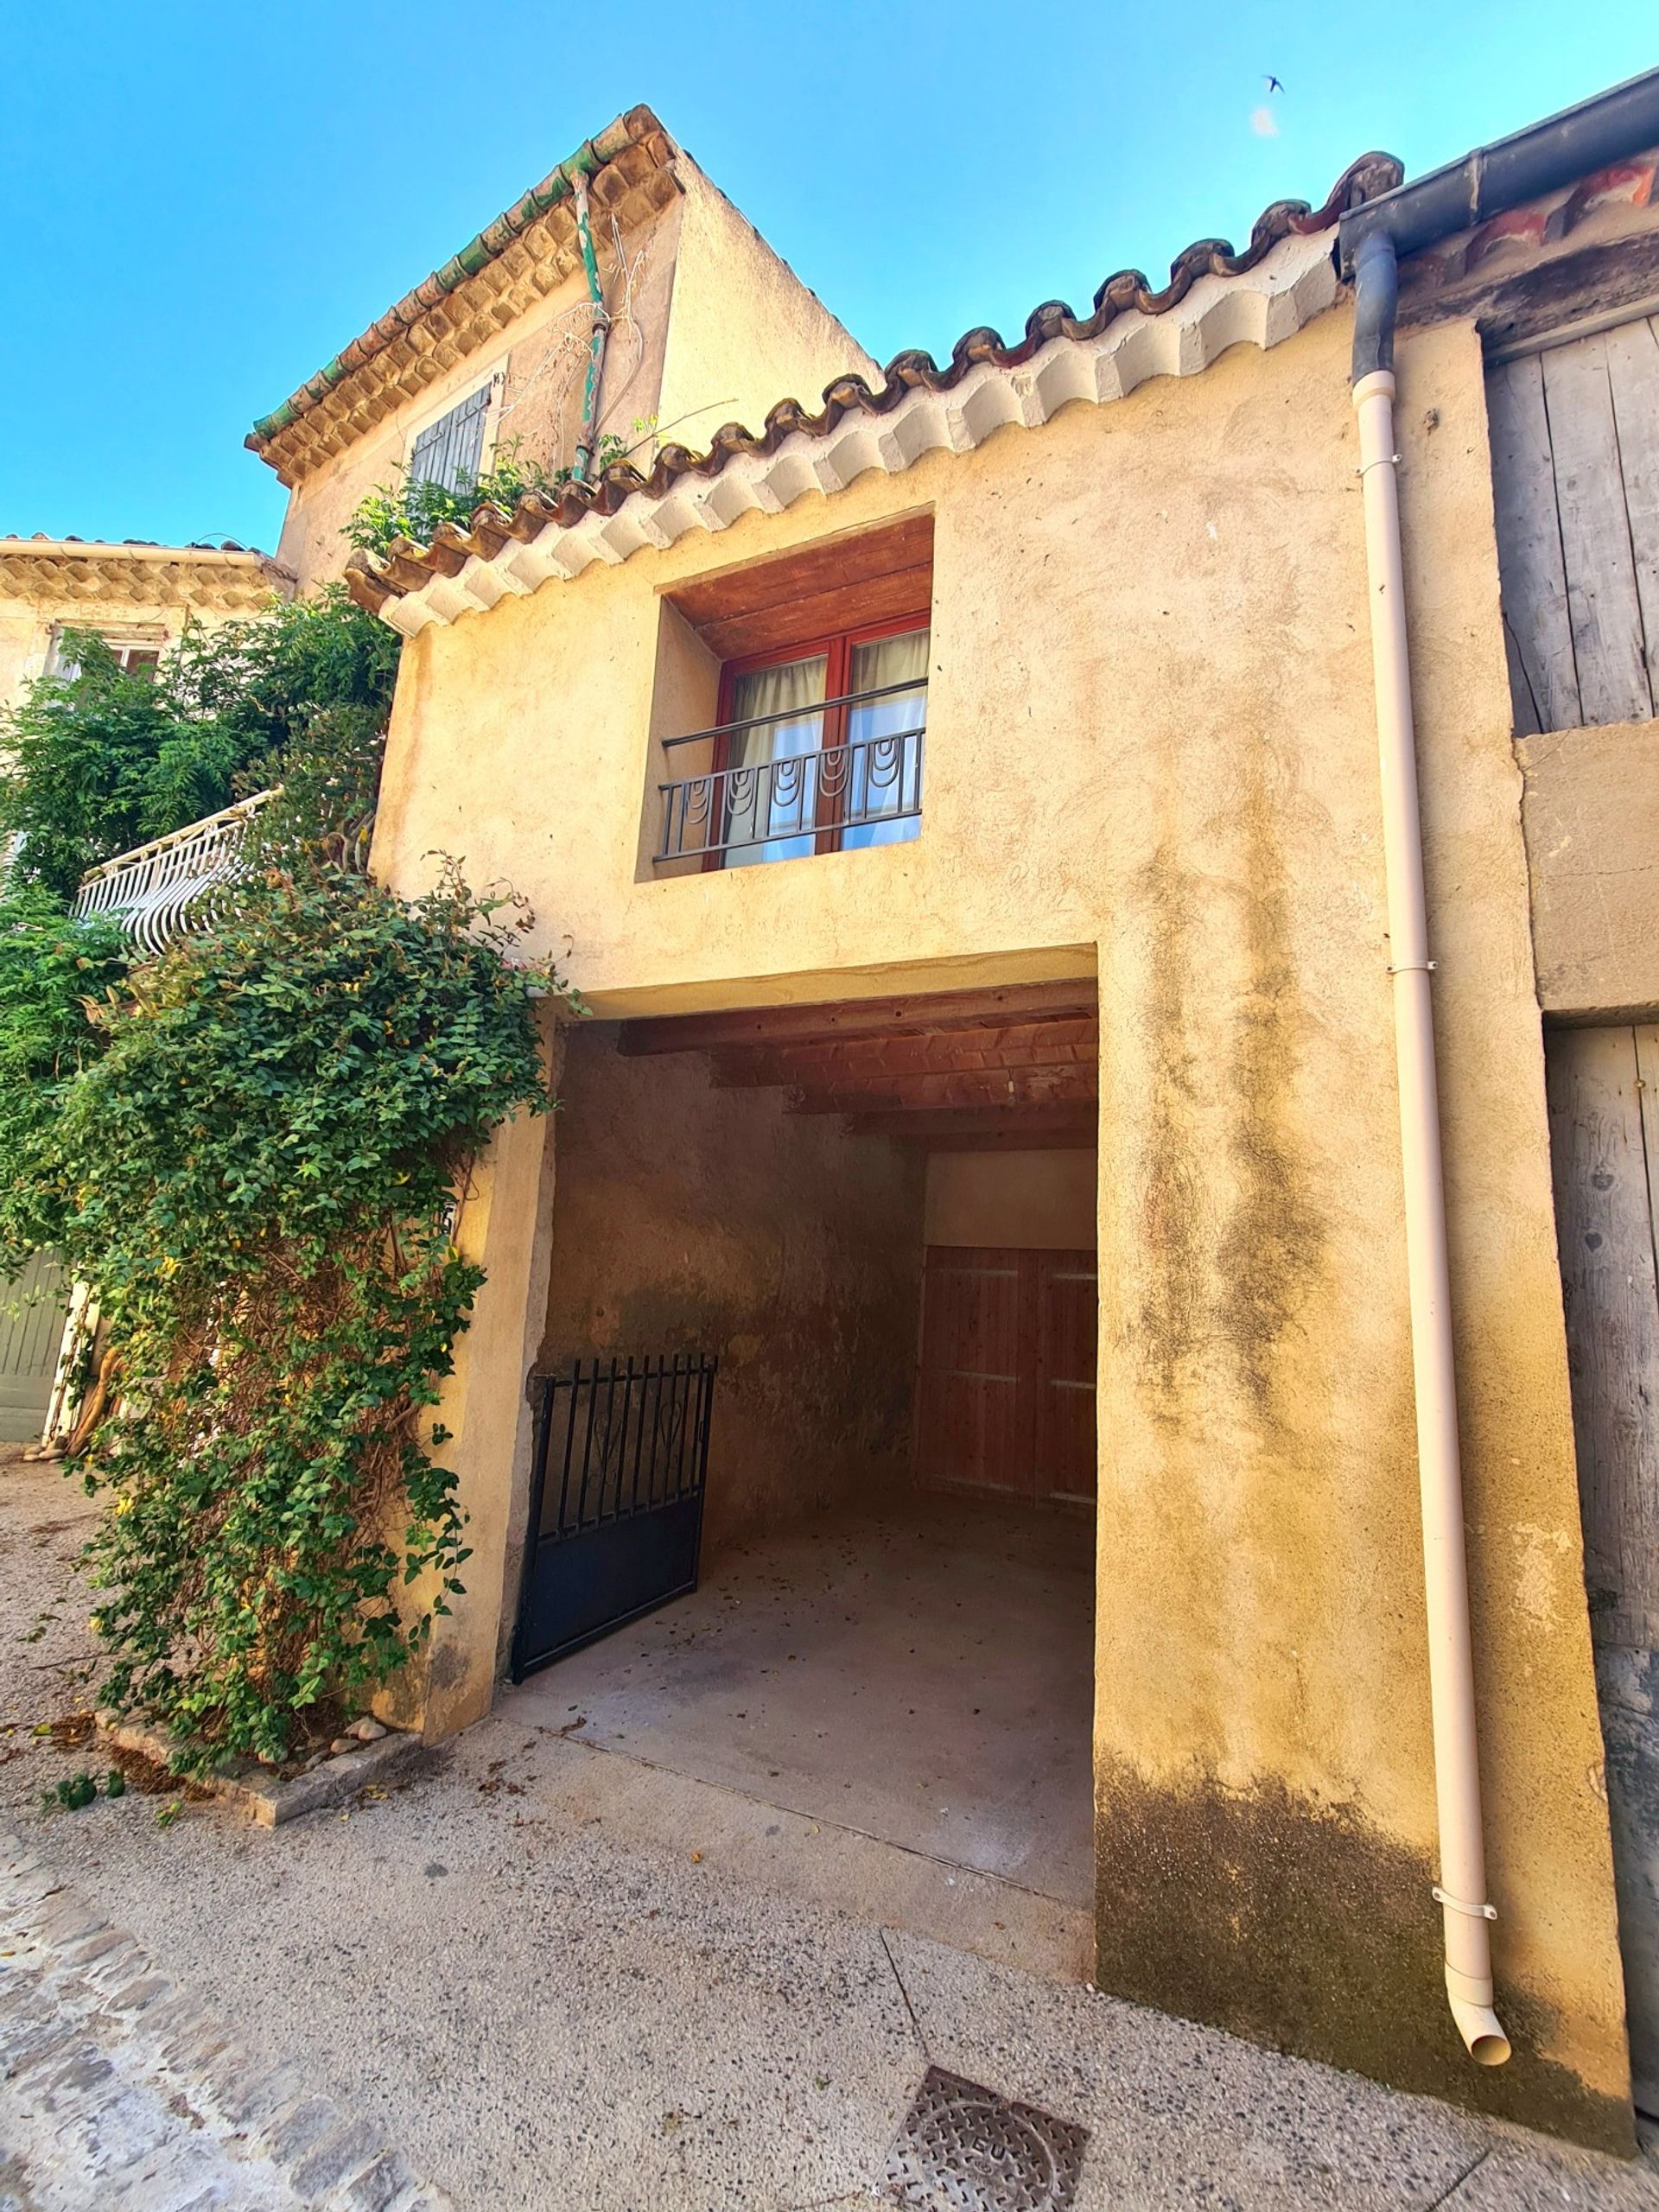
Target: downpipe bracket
x,y
1461,1905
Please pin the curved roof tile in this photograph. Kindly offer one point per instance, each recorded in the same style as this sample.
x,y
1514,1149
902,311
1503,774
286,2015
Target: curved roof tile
x,y
409,567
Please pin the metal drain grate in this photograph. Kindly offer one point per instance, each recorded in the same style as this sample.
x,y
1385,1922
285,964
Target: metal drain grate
x,y
964,2149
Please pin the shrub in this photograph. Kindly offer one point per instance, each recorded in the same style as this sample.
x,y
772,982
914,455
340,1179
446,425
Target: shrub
x,y
107,759
414,508
256,1178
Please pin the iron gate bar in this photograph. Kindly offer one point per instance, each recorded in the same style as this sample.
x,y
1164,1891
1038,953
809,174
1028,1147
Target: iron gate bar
x,y
627,1529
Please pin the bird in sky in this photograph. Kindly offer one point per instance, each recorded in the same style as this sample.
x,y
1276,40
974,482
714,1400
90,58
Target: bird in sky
x,y
1273,84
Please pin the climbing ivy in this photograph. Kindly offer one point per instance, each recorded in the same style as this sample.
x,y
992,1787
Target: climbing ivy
x,y
250,1152
256,1177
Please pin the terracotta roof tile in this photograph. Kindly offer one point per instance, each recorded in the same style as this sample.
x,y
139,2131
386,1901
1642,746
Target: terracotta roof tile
x,y
410,567
626,160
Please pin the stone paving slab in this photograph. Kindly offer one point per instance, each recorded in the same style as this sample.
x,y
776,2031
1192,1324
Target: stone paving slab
x,y
269,1799
120,2090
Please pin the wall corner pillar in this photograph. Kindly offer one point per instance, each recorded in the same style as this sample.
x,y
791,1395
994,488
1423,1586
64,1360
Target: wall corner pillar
x,y
506,1225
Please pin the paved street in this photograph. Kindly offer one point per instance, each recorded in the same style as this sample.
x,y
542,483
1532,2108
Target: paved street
x,y
545,1975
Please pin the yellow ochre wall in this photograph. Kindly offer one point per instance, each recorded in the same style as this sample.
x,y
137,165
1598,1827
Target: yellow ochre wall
x,y
1032,1201
711,327
1151,754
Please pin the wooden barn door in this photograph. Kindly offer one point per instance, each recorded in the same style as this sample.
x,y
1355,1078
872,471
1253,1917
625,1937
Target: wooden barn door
x,y
1603,1116
1007,1398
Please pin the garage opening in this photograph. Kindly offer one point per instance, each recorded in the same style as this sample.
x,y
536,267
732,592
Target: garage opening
x,y
876,1219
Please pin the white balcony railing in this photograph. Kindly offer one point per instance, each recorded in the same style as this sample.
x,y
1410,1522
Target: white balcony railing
x,y
159,891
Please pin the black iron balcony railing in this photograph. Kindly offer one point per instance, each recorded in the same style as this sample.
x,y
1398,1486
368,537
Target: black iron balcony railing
x,y
852,775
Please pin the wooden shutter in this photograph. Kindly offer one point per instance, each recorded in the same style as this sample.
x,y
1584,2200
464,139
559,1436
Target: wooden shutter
x,y
449,452
1575,483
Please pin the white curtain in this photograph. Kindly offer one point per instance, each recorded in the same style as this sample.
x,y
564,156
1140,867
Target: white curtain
x,y
767,802
885,773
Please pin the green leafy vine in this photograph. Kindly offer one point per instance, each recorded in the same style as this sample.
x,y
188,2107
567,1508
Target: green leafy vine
x,y
251,1150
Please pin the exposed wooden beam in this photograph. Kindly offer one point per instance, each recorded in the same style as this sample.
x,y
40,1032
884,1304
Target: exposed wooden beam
x,y
827,1064
1009,1134
1033,1128
1004,1006
992,1087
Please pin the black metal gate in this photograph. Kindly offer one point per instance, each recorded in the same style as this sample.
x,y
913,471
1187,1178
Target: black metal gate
x,y
621,1454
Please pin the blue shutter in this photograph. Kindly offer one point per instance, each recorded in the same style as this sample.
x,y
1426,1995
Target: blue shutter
x,y
448,451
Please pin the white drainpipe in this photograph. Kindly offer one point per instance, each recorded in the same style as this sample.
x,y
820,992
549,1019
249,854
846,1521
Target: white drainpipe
x,y
1461,1891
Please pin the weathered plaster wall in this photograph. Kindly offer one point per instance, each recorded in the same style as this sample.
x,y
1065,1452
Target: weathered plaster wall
x,y
1032,1201
25,641
692,1219
1152,748
504,1224
26,629
1591,816
541,399
744,331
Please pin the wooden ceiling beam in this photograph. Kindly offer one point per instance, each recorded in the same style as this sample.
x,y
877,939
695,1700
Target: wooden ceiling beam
x,y
991,1087
823,1066
1006,1005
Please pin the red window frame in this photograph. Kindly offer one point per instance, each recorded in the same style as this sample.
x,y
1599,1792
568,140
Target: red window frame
x,y
837,650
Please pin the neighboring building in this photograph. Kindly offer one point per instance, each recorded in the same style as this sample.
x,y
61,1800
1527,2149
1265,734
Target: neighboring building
x,y
139,598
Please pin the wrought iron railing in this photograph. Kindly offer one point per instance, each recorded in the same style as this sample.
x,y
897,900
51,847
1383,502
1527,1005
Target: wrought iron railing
x,y
854,779
159,891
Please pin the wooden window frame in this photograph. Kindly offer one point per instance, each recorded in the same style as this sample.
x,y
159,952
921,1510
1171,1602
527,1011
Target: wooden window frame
x,y
837,650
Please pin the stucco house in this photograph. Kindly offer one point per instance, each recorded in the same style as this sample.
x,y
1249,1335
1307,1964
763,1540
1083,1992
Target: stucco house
x,y
138,597
1101,1216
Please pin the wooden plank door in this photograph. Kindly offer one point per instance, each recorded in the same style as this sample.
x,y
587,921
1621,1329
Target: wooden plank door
x,y
1005,1399
1575,491
974,1403
1603,1113
31,1329
1068,1294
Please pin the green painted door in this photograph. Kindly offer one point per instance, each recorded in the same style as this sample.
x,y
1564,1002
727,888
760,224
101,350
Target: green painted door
x,y
31,1327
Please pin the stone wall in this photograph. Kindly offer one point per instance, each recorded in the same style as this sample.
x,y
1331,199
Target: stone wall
x,y
688,1218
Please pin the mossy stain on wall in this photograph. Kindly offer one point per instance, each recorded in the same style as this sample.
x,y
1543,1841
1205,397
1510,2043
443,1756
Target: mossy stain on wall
x,y
1303,1927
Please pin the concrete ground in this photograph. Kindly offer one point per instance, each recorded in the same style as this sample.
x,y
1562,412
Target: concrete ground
x,y
923,1674
558,1975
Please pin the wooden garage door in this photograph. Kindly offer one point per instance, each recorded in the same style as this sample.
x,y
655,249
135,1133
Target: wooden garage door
x,y
1007,1397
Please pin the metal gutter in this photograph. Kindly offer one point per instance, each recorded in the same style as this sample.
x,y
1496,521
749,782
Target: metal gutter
x,y
1607,128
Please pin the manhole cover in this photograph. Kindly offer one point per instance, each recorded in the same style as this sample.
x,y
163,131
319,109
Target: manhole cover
x,y
964,2149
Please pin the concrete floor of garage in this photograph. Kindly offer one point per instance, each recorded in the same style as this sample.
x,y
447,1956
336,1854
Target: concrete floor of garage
x,y
920,1675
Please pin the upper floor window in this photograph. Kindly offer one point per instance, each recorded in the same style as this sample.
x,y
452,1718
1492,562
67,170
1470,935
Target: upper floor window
x,y
821,722
450,452
138,653
821,752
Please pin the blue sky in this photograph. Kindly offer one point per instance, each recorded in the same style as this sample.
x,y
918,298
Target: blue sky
x,y
203,203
